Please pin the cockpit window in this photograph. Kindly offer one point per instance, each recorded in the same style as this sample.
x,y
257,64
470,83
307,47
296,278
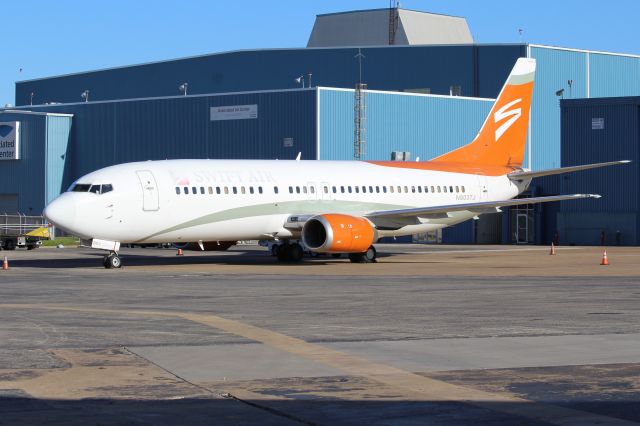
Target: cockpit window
x,y
96,189
80,187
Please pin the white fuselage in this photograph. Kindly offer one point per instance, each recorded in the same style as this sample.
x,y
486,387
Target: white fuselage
x,y
209,200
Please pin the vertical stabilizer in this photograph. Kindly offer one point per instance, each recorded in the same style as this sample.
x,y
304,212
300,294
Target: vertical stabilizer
x,y
502,138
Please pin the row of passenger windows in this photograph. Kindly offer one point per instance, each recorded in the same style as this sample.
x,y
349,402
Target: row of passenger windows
x,y
335,189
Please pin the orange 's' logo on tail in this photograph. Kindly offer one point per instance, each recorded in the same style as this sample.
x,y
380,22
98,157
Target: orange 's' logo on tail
x,y
502,113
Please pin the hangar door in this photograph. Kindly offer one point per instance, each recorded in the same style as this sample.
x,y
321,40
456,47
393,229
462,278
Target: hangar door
x,y
8,203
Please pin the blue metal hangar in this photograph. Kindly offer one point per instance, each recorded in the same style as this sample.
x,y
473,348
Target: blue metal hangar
x,y
428,89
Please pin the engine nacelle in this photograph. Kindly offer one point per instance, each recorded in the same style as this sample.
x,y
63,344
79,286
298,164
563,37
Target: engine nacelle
x,y
338,233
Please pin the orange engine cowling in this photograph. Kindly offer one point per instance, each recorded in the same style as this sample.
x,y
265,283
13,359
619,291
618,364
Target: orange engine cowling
x,y
338,233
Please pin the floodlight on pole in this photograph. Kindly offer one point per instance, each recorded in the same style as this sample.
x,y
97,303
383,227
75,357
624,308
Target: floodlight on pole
x,y
183,88
85,95
300,80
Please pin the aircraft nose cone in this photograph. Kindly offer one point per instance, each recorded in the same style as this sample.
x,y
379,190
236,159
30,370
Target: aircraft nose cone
x,y
62,213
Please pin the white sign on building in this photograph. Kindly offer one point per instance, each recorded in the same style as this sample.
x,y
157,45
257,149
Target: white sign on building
x,y
10,140
234,112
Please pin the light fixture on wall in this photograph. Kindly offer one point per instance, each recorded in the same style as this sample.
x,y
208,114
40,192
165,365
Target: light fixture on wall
x,y
85,95
183,88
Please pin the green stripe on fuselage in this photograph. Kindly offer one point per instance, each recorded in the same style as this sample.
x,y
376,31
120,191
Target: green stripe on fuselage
x,y
286,207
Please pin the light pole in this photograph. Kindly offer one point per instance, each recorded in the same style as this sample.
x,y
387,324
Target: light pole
x,y
85,95
183,88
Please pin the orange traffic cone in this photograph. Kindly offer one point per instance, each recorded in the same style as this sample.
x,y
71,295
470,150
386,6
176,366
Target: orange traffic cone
x,y
179,253
5,264
605,260
553,249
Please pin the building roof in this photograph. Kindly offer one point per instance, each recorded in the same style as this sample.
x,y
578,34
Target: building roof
x,y
378,27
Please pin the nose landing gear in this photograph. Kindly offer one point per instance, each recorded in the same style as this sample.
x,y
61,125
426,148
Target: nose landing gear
x,y
112,260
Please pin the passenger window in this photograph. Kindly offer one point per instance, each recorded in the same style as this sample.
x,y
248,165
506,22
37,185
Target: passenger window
x,y
391,189
312,189
432,189
342,189
420,189
186,189
370,188
457,188
202,189
297,189
291,190
444,188
413,189
364,189
235,189
406,189
451,189
399,189
438,188
226,190
194,190
357,189
462,188
334,189
251,190
377,189
242,190
384,189
210,190
178,190
304,189
349,189
217,189
275,189
326,189
426,189
259,190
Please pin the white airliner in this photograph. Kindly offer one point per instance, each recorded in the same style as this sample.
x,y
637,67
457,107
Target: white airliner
x,y
329,206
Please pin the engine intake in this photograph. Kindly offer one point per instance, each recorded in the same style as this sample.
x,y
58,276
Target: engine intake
x,y
338,233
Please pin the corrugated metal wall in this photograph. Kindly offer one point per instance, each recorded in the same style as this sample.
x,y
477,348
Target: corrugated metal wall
x,y
619,139
57,144
26,176
478,69
106,133
426,126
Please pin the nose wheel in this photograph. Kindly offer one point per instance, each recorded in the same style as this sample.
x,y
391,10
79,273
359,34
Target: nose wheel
x,y
112,260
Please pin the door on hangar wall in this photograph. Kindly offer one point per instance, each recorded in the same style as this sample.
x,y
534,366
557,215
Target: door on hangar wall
x,y
521,224
8,203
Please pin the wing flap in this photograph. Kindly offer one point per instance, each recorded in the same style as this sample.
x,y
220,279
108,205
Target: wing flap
x,y
482,207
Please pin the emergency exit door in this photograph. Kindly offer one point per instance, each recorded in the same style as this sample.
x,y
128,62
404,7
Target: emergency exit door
x,y
150,195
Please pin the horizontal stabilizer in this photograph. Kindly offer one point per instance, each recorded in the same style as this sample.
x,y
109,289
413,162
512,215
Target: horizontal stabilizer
x,y
548,172
481,207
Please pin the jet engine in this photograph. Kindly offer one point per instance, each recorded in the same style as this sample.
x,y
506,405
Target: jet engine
x,y
338,233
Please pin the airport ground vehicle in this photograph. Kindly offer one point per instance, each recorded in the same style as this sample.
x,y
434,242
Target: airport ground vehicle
x,y
22,231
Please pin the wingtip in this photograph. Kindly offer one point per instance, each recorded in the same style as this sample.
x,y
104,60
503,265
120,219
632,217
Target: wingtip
x,y
595,196
624,161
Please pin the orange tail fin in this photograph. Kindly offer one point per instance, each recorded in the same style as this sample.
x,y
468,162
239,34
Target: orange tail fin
x,y
503,136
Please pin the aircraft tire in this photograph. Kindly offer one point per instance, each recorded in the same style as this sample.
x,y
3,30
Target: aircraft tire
x,y
371,255
114,261
295,252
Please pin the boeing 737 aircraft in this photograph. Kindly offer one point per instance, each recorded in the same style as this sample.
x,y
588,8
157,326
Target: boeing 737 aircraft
x,y
329,206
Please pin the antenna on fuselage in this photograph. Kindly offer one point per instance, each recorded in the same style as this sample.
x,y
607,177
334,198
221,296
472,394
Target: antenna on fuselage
x,y
299,156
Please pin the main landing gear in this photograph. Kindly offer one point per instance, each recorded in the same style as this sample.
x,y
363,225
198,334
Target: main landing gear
x,y
288,252
368,256
112,260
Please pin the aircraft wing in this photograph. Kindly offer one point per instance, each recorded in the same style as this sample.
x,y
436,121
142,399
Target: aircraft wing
x,y
436,212
529,175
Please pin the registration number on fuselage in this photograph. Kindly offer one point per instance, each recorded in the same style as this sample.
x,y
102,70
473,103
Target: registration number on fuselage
x,y
465,197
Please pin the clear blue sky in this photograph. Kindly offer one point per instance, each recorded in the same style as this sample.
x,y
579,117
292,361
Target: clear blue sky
x,y
46,38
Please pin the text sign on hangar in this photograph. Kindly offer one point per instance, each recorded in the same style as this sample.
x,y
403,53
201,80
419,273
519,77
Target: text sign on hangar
x,y
234,112
10,140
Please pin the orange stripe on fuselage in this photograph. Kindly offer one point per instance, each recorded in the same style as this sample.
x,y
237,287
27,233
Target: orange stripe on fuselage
x,y
467,168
